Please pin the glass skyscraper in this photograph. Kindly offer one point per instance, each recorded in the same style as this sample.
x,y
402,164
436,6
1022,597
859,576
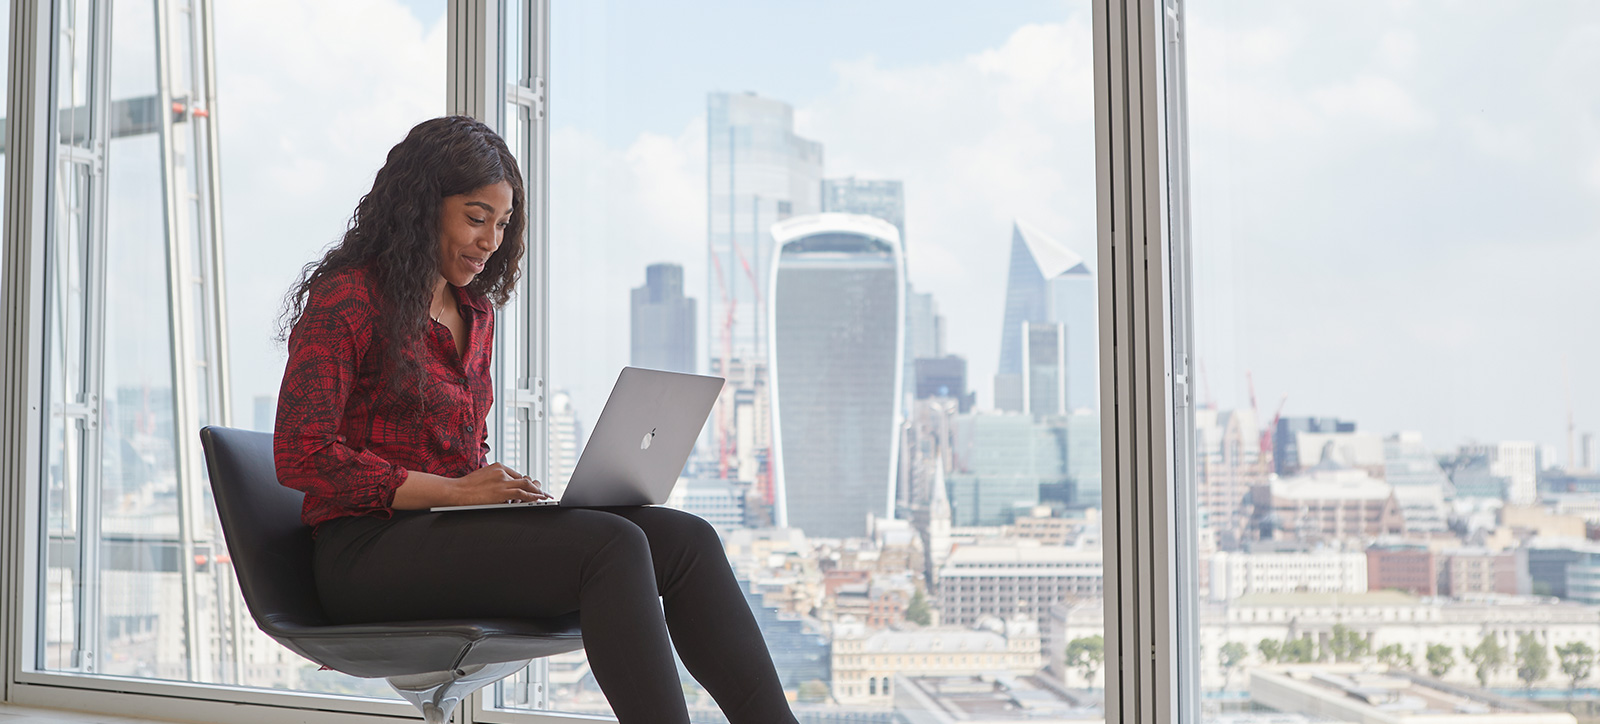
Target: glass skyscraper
x,y
758,172
1048,283
836,360
662,321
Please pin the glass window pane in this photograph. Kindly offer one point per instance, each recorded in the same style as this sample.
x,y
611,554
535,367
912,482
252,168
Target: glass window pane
x,y
311,100
885,243
1393,233
128,589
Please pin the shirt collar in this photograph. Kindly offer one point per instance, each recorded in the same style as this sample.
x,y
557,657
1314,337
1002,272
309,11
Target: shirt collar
x,y
476,301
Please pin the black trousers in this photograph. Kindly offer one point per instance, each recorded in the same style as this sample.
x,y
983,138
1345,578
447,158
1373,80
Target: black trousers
x,y
608,564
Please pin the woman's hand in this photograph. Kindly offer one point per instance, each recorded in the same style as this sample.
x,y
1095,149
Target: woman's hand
x,y
494,483
497,483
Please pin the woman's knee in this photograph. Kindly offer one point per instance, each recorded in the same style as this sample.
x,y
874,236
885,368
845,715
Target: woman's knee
x,y
681,529
615,541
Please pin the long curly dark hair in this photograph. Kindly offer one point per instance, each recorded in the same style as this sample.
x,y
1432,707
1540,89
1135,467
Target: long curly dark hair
x,y
394,234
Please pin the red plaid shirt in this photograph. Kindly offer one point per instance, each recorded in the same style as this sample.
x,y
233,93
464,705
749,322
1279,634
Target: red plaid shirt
x,y
344,436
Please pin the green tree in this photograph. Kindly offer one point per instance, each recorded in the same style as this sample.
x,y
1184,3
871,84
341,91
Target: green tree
x,y
1395,656
1347,645
1301,650
1441,659
1270,649
917,611
1486,658
1229,656
1087,654
813,691
1533,660
1577,662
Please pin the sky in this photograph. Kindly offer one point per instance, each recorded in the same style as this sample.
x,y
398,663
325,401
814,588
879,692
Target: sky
x,y
1395,218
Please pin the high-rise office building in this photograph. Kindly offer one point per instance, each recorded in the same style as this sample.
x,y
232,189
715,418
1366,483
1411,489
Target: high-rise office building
x,y
1044,373
1003,464
1048,283
265,411
1517,463
1286,439
838,337
758,172
924,333
884,199
663,321
566,442
942,377
1228,464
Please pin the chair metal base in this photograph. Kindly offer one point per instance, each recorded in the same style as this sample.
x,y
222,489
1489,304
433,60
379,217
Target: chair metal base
x,y
437,694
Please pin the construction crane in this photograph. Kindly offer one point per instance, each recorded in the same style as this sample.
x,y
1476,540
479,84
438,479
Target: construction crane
x,y
1267,432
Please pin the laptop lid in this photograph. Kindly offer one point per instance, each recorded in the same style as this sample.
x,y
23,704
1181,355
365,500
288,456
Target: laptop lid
x,y
642,439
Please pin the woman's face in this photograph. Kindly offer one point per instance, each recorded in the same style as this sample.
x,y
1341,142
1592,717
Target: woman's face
x,y
470,228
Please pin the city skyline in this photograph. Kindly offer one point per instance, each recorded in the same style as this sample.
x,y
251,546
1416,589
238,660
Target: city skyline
x,y
651,150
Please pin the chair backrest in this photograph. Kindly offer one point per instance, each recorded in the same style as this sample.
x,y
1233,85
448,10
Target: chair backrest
x,y
270,546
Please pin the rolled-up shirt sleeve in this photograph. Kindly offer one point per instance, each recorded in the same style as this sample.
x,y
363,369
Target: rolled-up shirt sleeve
x,y
312,454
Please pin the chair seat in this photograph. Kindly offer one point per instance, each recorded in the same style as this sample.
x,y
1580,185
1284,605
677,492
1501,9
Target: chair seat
x,y
408,647
272,549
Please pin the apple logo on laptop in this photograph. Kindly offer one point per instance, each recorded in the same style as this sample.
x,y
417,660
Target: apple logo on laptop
x,y
645,444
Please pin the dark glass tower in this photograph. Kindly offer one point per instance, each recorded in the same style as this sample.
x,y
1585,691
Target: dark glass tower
x,y
663,321
837,358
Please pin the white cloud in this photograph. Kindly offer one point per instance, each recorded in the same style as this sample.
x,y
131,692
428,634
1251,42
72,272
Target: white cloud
x,y
312,96
614,211
1376,102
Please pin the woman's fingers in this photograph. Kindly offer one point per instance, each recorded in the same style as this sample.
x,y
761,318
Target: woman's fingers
x,y
532,486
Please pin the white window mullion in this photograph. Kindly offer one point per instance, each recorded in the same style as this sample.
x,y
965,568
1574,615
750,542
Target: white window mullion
x,y
1147,423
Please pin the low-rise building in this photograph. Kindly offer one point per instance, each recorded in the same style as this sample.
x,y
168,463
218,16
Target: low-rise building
x,y
1469,571
1378,619
1235,574
1021,578
1327,505
865,662
989,698
1403,567
1352,693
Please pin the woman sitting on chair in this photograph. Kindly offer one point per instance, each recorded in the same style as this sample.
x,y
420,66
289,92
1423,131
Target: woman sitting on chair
x,y
382,415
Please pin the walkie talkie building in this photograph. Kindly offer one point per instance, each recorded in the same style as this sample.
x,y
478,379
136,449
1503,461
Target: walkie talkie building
x,y
837,321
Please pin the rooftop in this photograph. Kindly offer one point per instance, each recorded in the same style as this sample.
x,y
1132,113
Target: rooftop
x,y
1355,693
1370,598
941,699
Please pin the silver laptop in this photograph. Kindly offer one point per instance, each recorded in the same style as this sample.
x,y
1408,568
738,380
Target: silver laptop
x,y
639,444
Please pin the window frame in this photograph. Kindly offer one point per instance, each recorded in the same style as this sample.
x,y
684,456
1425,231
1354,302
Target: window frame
x,y
1141,177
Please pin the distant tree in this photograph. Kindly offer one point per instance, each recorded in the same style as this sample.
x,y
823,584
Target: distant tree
x,y
917,611
1577,662
1229,656
1270,649
1486,658
813,691
1347,645
1301,650
1533,660
1395,656
1086,655
1441,659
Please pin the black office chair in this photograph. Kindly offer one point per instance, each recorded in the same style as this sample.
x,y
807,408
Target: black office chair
x,y
433,664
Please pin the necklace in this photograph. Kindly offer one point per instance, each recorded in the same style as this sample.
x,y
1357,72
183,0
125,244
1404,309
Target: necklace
x,y
434,314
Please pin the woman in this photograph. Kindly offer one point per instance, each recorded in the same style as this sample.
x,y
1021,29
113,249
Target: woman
x,y
382,415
